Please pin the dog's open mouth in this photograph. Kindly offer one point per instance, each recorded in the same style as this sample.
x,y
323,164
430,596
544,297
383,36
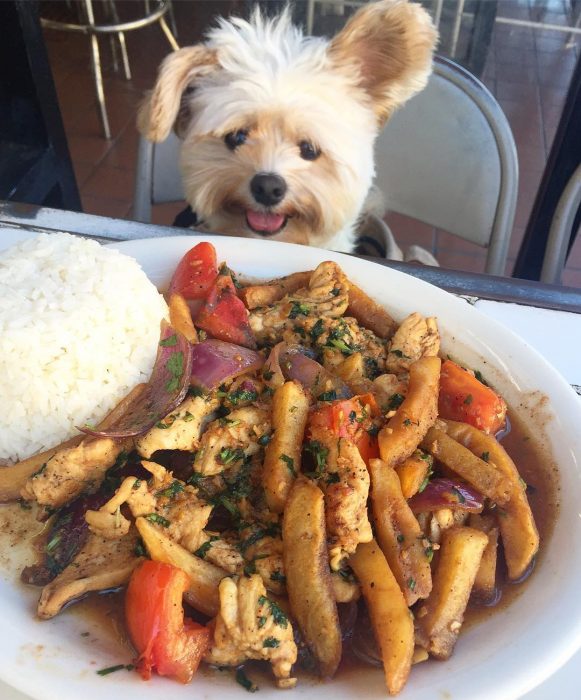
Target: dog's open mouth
x,y
265,223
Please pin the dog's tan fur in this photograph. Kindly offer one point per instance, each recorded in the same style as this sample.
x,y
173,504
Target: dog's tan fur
x,y
281,88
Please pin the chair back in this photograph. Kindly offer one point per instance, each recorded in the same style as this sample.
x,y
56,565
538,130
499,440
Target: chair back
x,y
448,159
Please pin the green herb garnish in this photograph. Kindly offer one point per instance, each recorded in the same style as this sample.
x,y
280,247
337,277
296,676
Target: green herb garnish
x,y
243,680
395,401
203,549
113,669
169,342
271,643
298,308
290,463
158,519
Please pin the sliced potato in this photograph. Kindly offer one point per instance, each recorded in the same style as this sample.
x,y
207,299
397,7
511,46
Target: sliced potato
x,y
485,478
399,534
417,413
391,620
282,459
13,479
264,294
485,582
369,313
440,619
204,577
308,580
413,472
520,537
181,318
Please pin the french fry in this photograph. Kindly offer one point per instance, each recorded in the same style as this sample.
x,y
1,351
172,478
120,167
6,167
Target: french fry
x,y
417,413
440,619
398,533
344,591
391,620
264,294
308,580
520,537
282,459
413,472
369,313
485,582
14,478
204,577
181,318
485,478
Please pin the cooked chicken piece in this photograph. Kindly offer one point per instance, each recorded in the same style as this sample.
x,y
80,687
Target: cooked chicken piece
x,y
326,296
262,549
345,336
219,551
250,626
100,565
345,482
389,391
181,430
71,471
164,500
416,337
229,441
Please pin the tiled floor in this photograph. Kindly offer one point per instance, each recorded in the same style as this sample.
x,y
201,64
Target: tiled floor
x,y
528,70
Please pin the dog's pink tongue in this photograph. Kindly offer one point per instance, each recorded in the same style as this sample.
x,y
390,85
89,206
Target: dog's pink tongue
x,y
262,221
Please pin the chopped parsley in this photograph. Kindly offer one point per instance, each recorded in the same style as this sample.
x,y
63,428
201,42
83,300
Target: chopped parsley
x,y
169,342
298,308
172,490
243,680
261,621
320,454
158,519
468,400
426,480
276,611
400,538
407,422
328,395
399,353
278,576
290,463
485,456
333,478
140,550
264,439
395,401
229,456
478,375
270,643
317,330
352,416
429,552
236,397
187,417
411,584
459,494
267,374
175,367
203,549
335,291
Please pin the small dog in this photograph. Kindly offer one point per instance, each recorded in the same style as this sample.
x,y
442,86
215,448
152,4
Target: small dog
x,y
278,128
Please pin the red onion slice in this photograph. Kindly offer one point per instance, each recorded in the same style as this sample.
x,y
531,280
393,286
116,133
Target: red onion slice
x,y
166,389
215,361
324,385
447,493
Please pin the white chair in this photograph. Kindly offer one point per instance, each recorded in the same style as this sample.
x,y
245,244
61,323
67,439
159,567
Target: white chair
x,y
562,230
448,159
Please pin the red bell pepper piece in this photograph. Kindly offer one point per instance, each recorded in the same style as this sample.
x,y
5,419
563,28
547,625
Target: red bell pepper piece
x,y
352,419
224,315
166,643
464,398
195,273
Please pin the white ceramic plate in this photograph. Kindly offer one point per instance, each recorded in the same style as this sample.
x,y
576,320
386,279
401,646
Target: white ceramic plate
x,y
501,658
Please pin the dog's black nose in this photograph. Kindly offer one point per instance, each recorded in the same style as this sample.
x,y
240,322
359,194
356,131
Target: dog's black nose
x,y
268,188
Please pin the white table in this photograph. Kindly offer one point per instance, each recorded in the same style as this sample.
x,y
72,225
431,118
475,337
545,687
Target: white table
x,y
542,329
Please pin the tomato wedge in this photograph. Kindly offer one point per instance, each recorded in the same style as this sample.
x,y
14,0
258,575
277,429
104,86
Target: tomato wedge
x,y
351,418
166,643
464,398
195,273
224,315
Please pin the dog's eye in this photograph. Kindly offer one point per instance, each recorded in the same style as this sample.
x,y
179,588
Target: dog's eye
x,y
233,139
308,151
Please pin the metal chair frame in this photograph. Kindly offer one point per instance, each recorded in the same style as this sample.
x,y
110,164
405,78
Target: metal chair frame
x,y
91,29
562,230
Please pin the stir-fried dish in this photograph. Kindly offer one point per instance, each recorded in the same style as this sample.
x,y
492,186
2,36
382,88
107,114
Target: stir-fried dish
x,y
299,466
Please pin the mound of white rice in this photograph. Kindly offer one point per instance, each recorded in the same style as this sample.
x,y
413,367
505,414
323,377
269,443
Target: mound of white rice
x,y
79,327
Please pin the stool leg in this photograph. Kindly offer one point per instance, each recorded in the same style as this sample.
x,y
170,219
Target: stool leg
x,y
124,56
169,36
96,63
172,18
113,52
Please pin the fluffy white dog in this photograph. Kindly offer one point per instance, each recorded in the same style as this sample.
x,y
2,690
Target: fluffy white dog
x,y
278,128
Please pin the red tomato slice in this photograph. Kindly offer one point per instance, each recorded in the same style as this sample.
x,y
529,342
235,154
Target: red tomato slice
x,y
166,643
464,398
350,418
224,315
195,273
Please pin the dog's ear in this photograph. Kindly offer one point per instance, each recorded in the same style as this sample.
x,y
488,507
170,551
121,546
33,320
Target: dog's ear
x,y
162,107
389,45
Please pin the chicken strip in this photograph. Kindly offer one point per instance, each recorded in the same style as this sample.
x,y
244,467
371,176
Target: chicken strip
x,y
71,471
229,441
99,566
416,337
250,626
182,429
343,476
326,295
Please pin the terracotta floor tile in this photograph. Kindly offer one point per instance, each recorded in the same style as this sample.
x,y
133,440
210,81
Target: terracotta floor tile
x,y
447,241
82,172
571,277
123,153
87,149
527,189
451,260
105,206
408,231
112,183
164,214
531,158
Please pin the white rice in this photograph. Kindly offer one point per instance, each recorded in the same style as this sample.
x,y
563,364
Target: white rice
x,y
79,327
